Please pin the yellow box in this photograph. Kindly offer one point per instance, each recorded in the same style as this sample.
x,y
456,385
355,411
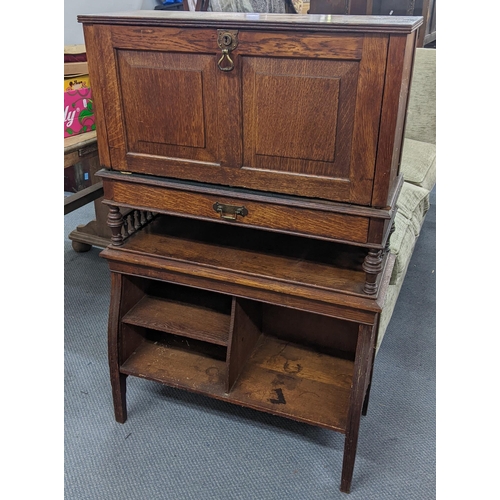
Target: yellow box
x,y
76,82
76,76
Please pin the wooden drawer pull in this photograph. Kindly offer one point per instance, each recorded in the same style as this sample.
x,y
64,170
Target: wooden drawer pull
x,y
229,212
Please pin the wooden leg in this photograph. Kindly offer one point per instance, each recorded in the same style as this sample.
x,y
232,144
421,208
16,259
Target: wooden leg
x,y
364,411
80,247
119,390
362,367
118,380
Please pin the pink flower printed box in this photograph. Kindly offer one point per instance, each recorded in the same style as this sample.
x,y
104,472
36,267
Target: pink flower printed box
x,y
78,109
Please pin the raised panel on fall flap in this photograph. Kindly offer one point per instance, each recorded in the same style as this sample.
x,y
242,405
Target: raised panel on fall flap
x,y
275,94
299,115
165,105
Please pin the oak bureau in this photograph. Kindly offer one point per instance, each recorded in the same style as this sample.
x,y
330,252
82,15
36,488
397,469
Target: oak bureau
x,y
250,163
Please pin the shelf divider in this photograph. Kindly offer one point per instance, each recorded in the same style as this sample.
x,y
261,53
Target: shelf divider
x,y
246,328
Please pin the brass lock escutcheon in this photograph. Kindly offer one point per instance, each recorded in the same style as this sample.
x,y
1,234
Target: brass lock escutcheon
x,y
229,212
227,41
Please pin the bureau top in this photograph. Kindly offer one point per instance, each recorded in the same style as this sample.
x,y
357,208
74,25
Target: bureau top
x,y
311,22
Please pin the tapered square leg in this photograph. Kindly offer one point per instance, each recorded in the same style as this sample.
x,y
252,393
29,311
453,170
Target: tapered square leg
x,y
118,380
119,390
361,378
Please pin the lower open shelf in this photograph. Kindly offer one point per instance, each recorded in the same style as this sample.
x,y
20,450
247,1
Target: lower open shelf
x,y
279,377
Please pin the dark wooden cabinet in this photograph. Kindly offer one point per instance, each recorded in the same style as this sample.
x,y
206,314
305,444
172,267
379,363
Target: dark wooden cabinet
x,y
251,167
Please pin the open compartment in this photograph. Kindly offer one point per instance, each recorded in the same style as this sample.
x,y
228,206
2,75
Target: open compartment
x,y
325,334
186,312
177,361
294,381
300,366
272,358
174,334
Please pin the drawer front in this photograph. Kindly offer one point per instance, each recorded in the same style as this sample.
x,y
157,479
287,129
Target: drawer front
x,y
241,211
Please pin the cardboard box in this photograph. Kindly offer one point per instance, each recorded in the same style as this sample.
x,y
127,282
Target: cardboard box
x,y
76,82
75,68
78,112
78,106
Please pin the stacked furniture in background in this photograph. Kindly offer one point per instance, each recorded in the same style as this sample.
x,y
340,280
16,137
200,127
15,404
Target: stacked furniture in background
x,y
424,8
252,171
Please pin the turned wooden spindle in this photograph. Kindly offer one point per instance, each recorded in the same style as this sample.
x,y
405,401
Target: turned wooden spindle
x,y
131,223
136,219
115,222
372,266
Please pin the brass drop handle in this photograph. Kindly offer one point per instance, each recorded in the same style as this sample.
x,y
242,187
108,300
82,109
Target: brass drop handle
x,y
227,41
229,212
225,54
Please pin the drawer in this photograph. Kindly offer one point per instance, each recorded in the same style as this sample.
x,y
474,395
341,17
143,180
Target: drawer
x,y
275,213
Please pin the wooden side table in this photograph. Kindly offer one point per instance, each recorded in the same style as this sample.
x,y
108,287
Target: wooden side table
x,y
83,149
259,319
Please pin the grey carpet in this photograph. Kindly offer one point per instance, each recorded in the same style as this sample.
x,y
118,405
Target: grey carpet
x,y
180,446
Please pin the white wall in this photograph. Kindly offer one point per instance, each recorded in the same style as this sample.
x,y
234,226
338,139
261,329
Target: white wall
x,y
73,32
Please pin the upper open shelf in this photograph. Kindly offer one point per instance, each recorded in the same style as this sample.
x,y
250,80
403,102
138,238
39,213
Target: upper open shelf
x,y
188,320
254,254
